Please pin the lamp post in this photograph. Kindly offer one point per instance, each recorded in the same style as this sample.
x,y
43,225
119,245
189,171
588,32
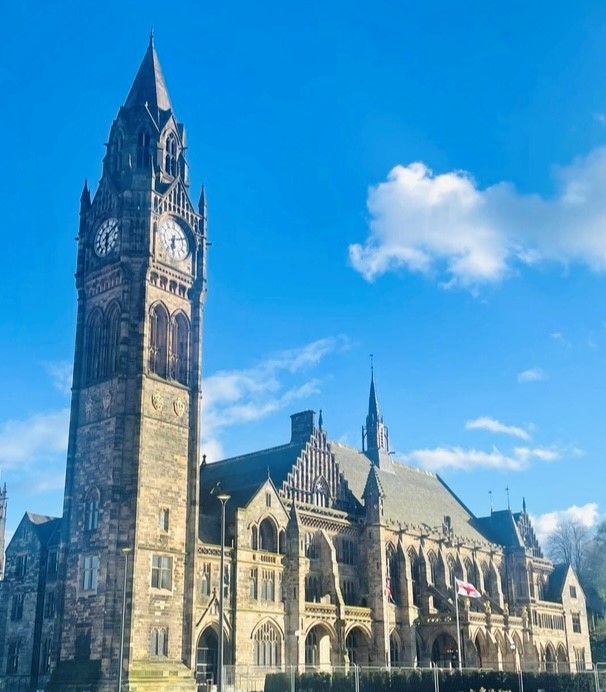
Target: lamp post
x,y
223,498
125,552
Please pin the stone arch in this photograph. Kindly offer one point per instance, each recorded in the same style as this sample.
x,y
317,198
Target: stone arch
x,y
268,535
319,644
444,651
357,643
207,654
563,663
396,650
268,640
481,645
469,571
551,661
441,572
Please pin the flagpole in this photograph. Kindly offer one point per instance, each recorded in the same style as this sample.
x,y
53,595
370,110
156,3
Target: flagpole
x,y
456,591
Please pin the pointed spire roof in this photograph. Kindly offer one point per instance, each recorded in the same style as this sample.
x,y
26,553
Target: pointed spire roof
x,y
149,86
373,401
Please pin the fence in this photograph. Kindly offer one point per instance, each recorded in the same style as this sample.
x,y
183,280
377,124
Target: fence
x,y
353,678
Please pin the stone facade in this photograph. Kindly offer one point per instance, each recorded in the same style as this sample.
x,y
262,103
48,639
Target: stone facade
x,y
333,555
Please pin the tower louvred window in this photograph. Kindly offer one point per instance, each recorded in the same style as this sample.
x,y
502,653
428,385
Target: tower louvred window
x,y
143,149
170,159
158,356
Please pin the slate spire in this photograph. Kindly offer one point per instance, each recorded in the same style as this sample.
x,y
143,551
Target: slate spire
x,y
375,435
149,88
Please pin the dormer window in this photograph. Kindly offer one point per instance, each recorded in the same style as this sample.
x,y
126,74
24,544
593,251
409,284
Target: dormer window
x,y
170,160
143,149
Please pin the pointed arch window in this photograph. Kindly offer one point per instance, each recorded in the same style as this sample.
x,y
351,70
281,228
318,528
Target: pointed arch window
x,y
267,536
159,641
91,509
113,339
116,153
267,645
393,575
143,149
170,158
180,349
94,346
158,338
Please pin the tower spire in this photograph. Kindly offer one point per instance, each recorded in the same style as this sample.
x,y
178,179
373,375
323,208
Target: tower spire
x,y
375,436
149,88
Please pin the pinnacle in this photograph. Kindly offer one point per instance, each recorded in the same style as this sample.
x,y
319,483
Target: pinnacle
x,y
149,88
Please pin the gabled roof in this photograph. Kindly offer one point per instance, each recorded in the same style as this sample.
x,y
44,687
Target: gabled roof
x,y
557,580
149,86
46,529
501,528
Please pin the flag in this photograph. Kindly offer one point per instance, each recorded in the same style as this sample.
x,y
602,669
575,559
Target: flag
x,y
388,589
466,589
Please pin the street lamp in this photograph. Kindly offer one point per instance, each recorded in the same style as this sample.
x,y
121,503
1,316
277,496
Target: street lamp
x,y
125,552
223,498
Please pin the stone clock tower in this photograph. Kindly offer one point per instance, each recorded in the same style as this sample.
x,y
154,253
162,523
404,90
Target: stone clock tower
x,y
131,489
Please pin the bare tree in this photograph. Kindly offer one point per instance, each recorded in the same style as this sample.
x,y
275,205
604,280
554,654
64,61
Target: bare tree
x,y
570,543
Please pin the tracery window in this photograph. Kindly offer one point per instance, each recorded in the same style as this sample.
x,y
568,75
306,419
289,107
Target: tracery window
x,y
158,361
159,641
112,339
170,161
267,536
143,149
91,509
205,583
267,645
351,644
94,347
253,583
268,585
321,495
393,574
254,538
180,349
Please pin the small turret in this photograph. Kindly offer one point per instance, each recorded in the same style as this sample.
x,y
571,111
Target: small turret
x,y
85,198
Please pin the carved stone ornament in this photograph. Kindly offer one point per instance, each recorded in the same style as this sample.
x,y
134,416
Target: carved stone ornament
x,y
106,400
89,406
157,401
179,407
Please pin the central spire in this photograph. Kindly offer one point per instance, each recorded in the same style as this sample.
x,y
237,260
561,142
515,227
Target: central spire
x,y
149,88
375,436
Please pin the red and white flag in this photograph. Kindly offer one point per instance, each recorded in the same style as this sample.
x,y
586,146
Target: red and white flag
x,y
465,588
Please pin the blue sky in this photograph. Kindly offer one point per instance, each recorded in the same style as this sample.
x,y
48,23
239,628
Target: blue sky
x,y
420,181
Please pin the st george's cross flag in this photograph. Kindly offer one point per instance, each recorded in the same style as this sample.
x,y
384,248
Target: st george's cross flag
x,y
466,589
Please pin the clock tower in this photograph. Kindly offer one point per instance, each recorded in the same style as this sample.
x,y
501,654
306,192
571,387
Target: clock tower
x,y
131,489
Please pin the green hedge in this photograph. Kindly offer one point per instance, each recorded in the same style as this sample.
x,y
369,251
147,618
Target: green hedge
x,y
406,680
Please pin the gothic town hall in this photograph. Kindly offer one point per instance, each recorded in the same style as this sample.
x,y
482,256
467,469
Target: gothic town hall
x,y
333,555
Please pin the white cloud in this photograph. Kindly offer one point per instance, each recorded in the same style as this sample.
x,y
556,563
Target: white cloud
x,y
233,397
471,459
495,426
61,372
545,524
532,375
40,437
446,226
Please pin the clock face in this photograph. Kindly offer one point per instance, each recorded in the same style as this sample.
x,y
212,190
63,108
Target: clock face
x,y
174,240
106,238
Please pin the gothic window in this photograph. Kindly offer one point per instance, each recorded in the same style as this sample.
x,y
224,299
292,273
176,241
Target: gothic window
x,y
394,650
311,649
143,149
416,563
282,542
158,337
94,347
348,553
52,564
431,568
116,153
321,493
20,566
47,656
91,510
576,623
164,519
170,161
310,546
159,641
267,645
313,589
180,349
393,575
348,589
112,339
351,644
268,585
90,569
17,607
254,542
253,583
205,584
12,659
49,604
267,536
162,572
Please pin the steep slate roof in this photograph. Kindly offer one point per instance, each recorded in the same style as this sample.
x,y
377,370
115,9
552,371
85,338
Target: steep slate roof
x,y
557,580
501,527
412,497
149,86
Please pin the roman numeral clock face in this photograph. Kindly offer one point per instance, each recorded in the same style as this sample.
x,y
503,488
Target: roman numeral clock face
x,y
174,240
106,237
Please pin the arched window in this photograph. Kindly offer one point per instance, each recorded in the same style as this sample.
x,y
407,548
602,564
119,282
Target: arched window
x,y
351,644
116,153
94,346
394,650
254,540
91,509
321,493
282,542
159,641
113,339
158,337
416,565
170,159
143,149
393,575
312,654
180,349
267,645
267,536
